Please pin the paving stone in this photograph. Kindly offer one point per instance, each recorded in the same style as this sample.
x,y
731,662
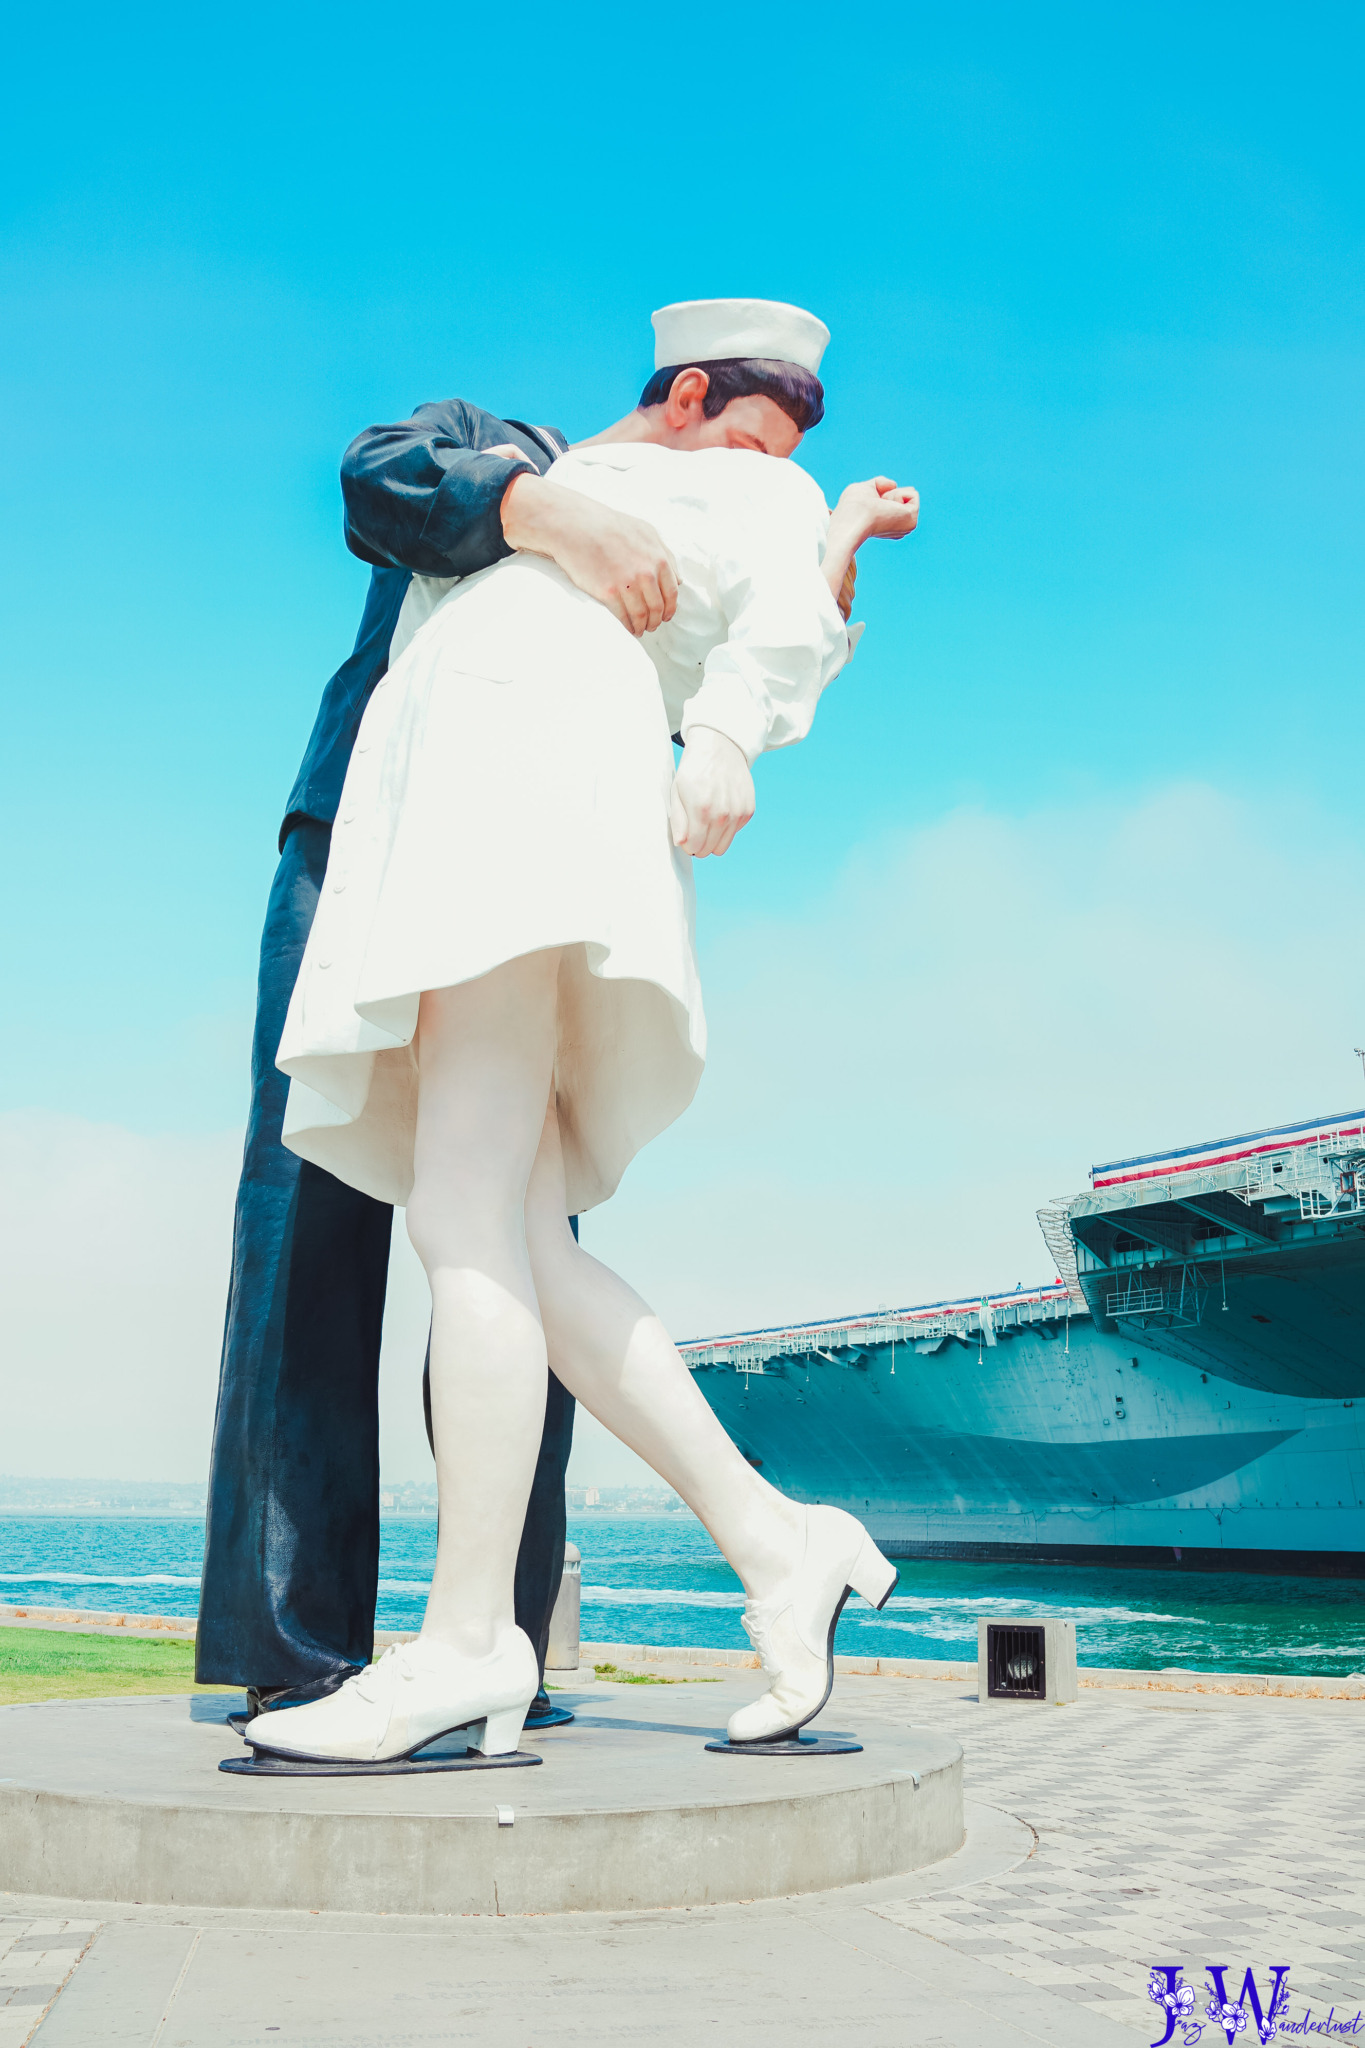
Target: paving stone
x,y
16,2026
36,1958
1151,1843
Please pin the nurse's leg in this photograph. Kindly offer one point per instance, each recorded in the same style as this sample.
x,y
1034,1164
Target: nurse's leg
x,y
485,1054
540,1560
796,1563
615,1356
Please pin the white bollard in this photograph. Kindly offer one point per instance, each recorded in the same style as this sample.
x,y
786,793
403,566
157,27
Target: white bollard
x,y
562,1653
1026,1659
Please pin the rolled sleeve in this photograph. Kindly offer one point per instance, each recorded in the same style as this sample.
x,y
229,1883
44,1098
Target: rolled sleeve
x,y
420,495
463,528
786,639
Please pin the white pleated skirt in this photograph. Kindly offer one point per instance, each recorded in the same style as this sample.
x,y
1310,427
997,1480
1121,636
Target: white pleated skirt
x,y
508,792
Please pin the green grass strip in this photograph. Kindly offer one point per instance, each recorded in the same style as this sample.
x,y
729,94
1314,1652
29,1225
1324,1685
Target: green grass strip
x,y
59,1664
620,1677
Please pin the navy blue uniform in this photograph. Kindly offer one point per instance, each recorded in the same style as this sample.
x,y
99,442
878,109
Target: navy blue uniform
x,y
291,1558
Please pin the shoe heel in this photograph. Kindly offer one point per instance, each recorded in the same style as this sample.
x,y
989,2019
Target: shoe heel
x,y
500,1733
873,1576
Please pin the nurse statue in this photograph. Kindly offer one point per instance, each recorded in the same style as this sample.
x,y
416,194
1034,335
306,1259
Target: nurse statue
x,y
499,1004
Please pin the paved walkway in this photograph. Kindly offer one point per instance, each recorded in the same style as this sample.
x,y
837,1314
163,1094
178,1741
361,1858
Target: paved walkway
x,y
36,1958
1209,1831
1102,1838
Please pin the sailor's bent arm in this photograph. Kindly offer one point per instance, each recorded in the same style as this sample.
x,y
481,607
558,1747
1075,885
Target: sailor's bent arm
x,y
786,641
420,495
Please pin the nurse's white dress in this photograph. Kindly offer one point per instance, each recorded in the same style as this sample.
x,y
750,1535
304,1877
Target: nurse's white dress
x,y
509,792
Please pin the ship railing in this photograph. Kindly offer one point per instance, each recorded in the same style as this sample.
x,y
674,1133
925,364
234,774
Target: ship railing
x,y
1177,1305
1327,1176
1332,1162
1050,1308
751,1354
1333,1201
1135,1301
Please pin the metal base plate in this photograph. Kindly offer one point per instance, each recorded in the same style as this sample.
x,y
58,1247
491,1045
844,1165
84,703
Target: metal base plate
x,y
554,1717
790,1745
265,1765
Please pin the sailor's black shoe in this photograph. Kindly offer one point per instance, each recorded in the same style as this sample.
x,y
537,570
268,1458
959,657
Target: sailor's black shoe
x,y
543,1713
264,1699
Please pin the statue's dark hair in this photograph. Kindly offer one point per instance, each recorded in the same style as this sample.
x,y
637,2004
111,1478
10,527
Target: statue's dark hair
x,y
799,392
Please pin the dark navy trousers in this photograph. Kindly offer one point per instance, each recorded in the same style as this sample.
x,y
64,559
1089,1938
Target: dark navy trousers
x,y
291,1557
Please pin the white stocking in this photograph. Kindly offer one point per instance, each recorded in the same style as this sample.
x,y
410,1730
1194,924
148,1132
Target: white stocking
x,y
485,1055
614,1355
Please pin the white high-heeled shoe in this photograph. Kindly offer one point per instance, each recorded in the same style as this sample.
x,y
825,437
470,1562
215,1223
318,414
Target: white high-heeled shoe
x,y
793,1631
415,1692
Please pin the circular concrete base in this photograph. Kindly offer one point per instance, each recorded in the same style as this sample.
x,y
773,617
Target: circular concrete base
x,y
123,1799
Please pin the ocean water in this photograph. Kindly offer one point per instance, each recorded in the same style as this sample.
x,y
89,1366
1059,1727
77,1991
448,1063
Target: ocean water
x,y
660,1579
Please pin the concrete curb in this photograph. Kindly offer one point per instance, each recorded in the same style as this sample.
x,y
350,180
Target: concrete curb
x,y
77,1621
1271,1685
1290,1686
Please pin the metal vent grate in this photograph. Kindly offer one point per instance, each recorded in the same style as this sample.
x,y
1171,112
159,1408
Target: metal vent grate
x,y
1016,1663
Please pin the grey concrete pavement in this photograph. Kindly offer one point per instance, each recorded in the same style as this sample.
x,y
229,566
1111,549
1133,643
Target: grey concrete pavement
x,y
1102,1838
124,1799
819,1969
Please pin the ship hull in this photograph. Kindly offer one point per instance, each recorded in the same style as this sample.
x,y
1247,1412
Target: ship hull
x,y
1063,1442
1184,1393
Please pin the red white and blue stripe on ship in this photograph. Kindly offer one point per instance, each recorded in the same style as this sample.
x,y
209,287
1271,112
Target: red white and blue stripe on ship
x,y
1117,1173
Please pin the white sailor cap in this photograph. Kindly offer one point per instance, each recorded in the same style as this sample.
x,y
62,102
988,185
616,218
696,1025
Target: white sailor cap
x,y
711,330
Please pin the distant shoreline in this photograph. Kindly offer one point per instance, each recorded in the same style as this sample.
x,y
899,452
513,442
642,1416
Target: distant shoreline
x,y
175,1513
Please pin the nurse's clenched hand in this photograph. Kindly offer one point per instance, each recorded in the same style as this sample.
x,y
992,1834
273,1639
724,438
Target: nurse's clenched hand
x,y
713,793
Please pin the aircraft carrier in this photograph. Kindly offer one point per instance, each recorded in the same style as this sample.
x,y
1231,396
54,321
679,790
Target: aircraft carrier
x,y
1183,1393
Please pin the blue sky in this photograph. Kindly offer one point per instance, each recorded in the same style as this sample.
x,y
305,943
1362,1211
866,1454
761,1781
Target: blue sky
x,y
1094,284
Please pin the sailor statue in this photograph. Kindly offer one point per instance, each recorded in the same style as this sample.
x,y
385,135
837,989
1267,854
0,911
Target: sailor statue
x,y
479,998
